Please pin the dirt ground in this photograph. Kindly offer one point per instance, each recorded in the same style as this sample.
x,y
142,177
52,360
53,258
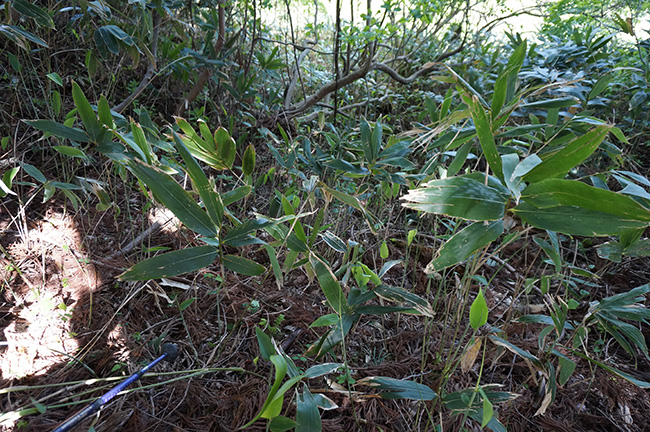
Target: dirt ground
x,y
67,324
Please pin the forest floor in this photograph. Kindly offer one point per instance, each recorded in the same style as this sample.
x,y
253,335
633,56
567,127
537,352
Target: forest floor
x,y
61,298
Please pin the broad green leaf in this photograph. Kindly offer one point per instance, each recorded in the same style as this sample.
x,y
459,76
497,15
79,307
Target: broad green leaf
x,y
600,85
88,117
345,166
321,369
59,130
175,198
392,388
307,415
145,150
375,141
404,298
6,182
383,250
28,8
488,410
282,424
485,136
19,36
225,146
478,312
242,265
34,172
329,285
567,366
248,161
552,103
104,112
70,151
211,198
172,263
459,159
464,243
326,320
575,220
458,196
270,410
559,162
266,345
235,195
334,242
504,85
556,192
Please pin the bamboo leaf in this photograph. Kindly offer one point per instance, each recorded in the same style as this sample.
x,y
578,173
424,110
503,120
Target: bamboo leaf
x,y
562,160
59,130
458,196
464,243
242,265
175,198
485,136
329,285
88,117
172,263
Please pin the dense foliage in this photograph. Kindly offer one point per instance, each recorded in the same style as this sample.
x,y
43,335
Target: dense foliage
x,y
346,148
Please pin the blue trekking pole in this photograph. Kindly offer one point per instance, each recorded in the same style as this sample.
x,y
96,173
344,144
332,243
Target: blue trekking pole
x,y
169,352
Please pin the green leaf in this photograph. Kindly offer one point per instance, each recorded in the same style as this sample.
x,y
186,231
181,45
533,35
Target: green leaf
x,y
267,349
172,263
404,298
211,198
88,117
19,36
458,196
55,78
575,220
334,242
175,198
29,9
282,424
225,146
235,195
70,151
6,182
34,172
248,161
459,159
574,207
488,409
478,312
464,243
600,85
556,192
505,83
307,414
59,130
321,369
560,161
187,303
551,103
329,285
485,136
383,250
242,265
392,388
326,320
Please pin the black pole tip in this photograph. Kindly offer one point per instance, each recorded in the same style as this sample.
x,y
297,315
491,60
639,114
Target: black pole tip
x,y
171,350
